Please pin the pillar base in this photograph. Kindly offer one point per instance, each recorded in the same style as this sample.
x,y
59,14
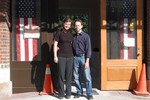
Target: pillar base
x,y
5,90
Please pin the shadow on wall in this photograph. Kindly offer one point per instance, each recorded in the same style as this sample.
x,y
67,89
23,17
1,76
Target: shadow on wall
x,y
133,83
95,69
39,67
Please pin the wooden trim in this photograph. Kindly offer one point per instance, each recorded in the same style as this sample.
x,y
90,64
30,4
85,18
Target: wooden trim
x,y
103,43
122,62
139,35
117,84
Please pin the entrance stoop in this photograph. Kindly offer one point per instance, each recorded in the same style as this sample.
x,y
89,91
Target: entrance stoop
x,y
5,90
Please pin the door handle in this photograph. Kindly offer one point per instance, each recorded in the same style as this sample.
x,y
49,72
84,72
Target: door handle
x,y
138,54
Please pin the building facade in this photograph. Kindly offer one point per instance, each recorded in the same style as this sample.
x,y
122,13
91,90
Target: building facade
x,y
119,31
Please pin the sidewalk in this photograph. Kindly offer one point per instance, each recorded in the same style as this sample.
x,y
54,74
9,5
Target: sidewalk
x,y
97,94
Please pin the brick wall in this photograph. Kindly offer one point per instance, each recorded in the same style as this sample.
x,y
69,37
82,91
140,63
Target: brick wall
x,y
5,83
147,22
4,39
4,52
4,43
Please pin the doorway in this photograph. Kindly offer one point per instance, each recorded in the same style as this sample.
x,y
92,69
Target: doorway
x,y
121,44
32,42
45,16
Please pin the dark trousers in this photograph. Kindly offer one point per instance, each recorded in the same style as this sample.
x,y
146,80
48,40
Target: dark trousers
x,y
65,75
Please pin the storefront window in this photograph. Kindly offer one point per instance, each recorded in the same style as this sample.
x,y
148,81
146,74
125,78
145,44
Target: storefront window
x,y
121,29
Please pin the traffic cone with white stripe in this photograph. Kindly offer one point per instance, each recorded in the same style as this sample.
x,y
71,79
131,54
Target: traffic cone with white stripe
x,y
48,85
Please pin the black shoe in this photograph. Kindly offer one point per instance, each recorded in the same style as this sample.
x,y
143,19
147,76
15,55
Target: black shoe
x,y
68,97
60,97
77,96
90,97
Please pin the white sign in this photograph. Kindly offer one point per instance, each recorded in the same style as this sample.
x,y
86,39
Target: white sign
x,y
32,32
129,42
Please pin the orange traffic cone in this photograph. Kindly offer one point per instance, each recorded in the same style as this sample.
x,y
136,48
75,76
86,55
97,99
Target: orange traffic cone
x,y
142,86
48,85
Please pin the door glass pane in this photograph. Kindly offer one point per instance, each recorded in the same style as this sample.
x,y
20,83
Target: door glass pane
x,y
121,29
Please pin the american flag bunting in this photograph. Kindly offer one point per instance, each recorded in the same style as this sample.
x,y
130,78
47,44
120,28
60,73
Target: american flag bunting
x,y
26,48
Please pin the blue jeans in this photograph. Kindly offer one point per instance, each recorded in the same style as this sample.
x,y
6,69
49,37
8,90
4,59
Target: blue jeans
x,y
79,62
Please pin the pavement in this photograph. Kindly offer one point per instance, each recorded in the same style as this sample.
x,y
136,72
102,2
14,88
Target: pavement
x,y
97,94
